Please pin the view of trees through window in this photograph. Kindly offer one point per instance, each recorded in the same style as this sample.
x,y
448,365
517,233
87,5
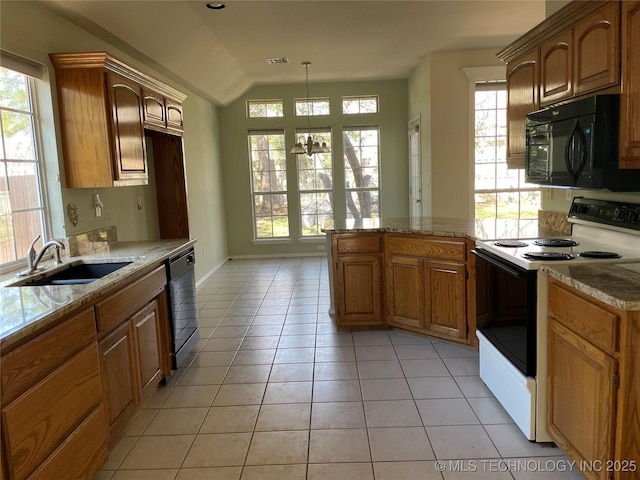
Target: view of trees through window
x,y
269,184
315,184
361,163
505,205
21,209
265,108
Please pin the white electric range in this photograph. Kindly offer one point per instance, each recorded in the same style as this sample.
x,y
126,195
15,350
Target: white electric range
x,y
513,332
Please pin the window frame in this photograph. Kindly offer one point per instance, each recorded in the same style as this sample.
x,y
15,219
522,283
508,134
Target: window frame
x,y
346,167
266,103
311,101
360,98
32,72
269,192
327,136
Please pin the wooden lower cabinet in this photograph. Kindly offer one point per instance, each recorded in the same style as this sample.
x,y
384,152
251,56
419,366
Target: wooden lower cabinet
x,y
359,295
581,397
427,296
593,383
146,326
406,292
119,376
445,294
416,282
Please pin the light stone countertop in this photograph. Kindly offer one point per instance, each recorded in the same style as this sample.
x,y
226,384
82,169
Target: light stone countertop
x,y
617,285
439,226
25,310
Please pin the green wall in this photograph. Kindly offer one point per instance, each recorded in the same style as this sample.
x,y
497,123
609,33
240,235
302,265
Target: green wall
x,y
392,120
32,30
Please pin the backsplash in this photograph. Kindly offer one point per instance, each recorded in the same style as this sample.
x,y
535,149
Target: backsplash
x,y
94,241
552,223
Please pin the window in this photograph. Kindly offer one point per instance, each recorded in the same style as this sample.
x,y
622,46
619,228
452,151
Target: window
x,y
355,105
21,204
269,184
315,184
264,108
361,164
501,194
312,106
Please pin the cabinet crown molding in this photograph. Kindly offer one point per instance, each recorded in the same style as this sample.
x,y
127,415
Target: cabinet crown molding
x,y
109,62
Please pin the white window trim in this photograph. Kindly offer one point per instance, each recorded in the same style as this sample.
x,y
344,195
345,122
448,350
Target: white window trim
x,y
475,75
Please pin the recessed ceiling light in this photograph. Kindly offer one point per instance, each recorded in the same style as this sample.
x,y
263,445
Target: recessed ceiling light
x,y
274,60
215,6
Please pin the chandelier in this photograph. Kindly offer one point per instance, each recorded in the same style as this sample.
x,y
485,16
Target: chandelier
x,y
310,146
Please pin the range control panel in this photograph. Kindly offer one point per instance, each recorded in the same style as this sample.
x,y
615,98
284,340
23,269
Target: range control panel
x,y
619,214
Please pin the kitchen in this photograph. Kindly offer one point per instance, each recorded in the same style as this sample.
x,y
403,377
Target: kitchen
x,y
206,180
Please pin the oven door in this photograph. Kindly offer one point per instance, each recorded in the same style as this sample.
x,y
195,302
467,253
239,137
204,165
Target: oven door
x,y
508,318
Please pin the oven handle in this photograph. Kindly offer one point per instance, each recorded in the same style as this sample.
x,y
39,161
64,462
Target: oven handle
x,y
500,263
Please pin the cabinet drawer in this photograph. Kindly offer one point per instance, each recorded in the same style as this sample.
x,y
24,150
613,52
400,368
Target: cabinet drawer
x,y
82,455
359,244
117,308
450,250
41,419
593,323
30,363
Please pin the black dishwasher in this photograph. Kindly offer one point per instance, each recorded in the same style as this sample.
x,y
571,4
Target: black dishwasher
x,y
182,305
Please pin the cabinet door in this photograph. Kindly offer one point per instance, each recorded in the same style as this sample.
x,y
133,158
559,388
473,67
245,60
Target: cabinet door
x,y
630,97
597,50
405,291
146,328
522,98
174,114
445,294
153,108
119,382
556,68
358,290
130,152
581,398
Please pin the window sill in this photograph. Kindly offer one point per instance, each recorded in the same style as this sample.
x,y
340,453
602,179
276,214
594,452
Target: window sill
x,y
270,241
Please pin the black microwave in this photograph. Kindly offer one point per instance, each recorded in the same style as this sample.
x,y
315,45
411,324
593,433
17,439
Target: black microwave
x,y
575,145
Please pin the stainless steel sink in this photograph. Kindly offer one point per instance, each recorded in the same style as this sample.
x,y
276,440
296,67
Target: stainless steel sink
x,y
72,275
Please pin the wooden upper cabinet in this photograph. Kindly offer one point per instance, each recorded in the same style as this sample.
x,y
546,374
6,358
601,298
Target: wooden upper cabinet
x,y
556,57
522,98
104,106
174,114
154,108
630,97
597,50
130,151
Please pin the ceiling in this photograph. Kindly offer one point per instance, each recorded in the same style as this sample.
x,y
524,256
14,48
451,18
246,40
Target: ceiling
x,y
223,53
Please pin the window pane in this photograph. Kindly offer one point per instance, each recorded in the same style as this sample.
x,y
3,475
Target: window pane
x,y
14,91
264,109
312,107
504,205
355,105
21,211
363,204
269,184
23,185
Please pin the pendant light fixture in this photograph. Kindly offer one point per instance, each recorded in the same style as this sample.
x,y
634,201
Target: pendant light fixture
x,y
310,146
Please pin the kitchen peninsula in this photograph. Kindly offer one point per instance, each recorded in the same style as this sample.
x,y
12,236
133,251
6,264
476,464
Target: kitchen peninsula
x,y
416,274
78,360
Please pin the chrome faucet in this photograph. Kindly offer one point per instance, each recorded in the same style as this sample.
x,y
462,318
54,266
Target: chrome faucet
x,y
33,259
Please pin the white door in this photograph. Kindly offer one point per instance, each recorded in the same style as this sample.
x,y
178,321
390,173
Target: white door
x,y
415,167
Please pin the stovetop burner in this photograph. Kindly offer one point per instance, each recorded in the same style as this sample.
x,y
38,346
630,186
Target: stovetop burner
x,y
547,256
511,243
598,254
555,242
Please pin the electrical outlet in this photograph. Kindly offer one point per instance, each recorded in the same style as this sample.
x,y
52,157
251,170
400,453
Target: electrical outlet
x,y
568,194
320,248
548,193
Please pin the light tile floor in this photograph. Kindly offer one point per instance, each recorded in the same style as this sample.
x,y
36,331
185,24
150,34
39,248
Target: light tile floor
x,y
274,392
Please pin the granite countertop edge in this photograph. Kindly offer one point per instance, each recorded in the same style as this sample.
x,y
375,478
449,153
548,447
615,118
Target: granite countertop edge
x,y
617,285
64,299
